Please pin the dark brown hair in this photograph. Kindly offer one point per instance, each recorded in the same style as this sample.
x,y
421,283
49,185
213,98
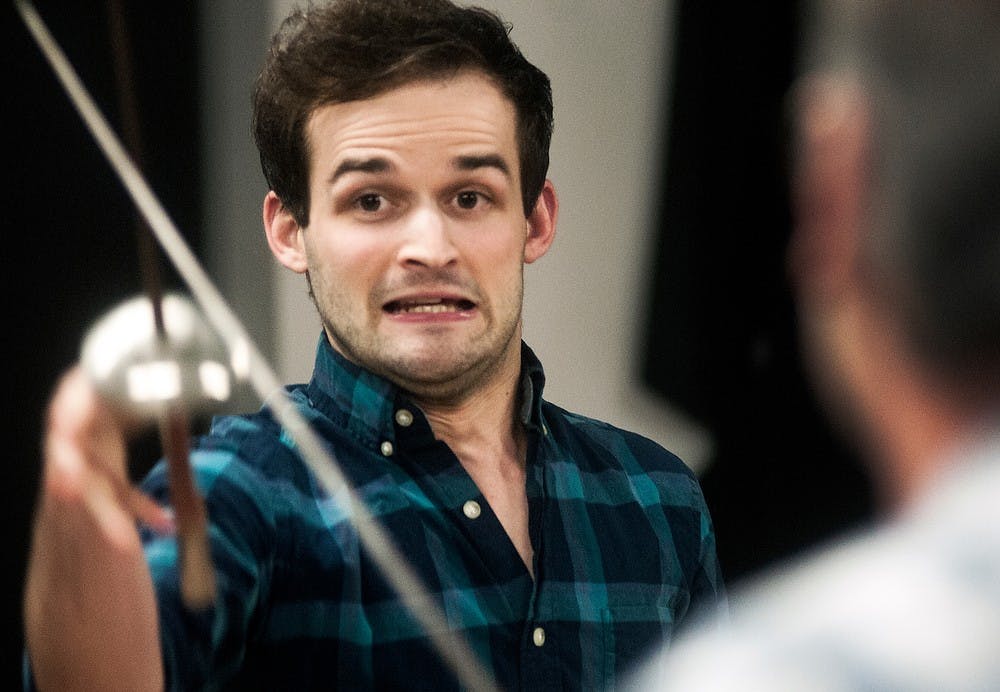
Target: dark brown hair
x,y
348,50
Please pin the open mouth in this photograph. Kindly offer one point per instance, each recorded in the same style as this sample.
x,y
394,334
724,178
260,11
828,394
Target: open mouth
x,y
428,306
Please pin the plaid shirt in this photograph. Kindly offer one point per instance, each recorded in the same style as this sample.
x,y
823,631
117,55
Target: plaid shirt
x,y
623,549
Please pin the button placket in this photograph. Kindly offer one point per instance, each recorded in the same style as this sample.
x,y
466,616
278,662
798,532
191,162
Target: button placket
x,y
538,636
404,417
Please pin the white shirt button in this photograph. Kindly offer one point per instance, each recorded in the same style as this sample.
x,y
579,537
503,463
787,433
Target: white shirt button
x,y
386,448
538,636
471,509
404,417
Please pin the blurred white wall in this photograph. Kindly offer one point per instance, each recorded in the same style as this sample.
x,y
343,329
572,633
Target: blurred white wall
x,y
609,66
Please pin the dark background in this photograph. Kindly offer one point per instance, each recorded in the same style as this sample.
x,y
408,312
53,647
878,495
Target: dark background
x,y
721,327
69,246
721,330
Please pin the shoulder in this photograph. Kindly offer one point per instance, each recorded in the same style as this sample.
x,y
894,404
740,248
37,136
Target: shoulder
x,y
879,611
258,442
251,441
617,458
241,458
622,448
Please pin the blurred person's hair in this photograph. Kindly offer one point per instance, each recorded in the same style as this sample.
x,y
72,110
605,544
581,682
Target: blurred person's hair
x,y
930,71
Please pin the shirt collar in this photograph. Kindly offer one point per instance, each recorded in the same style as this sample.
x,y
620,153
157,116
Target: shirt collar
x,y
363,403
532,384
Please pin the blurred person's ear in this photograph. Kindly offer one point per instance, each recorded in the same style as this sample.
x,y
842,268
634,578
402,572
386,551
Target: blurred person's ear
x,y
829,186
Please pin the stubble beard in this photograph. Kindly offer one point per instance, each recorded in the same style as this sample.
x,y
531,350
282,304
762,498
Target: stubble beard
x,y
442,371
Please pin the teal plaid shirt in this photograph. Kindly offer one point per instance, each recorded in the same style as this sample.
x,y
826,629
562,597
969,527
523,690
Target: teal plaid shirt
x,y
623,550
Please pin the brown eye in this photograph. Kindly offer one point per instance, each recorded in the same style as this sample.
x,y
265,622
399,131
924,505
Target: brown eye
x,y
370,202
467,200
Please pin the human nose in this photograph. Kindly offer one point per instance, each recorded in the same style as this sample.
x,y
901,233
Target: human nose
x,y
428,240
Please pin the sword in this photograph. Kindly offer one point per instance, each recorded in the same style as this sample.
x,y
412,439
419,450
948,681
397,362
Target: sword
x,y
247,360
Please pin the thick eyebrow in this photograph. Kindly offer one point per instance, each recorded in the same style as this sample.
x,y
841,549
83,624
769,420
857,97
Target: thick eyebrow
x,y
372,165
471,163
380,165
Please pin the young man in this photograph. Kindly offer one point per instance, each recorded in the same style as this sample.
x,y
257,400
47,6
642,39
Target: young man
x,y
896,260
406,148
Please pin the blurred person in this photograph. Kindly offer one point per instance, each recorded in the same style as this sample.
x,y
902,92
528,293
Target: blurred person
x,y
405,145
896,263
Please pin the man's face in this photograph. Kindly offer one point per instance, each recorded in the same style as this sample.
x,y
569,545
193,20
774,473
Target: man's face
x,y
417,234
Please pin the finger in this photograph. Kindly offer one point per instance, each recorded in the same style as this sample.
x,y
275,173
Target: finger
x,y
67,448
78,416
157,517
86,464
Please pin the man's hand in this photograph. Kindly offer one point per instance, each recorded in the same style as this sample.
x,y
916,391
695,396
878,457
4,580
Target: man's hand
x,y
90,610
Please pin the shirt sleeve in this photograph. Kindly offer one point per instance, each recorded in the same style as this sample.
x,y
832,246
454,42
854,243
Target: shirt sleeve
x,y
210,644
708,591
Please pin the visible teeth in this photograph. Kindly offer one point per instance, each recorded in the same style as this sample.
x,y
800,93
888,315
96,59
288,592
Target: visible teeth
x,y
437,307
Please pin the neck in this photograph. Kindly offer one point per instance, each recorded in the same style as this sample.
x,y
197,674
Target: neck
x,y
485,420
912,418
916,430
485,433
489,439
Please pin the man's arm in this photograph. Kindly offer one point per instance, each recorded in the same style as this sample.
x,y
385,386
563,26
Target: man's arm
x,y
90,610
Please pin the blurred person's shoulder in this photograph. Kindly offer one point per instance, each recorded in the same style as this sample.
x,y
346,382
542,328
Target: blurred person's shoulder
x,y
910,605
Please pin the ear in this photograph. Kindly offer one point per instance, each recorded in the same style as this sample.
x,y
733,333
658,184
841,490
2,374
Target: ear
x,y
284,235
829,186
541,224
